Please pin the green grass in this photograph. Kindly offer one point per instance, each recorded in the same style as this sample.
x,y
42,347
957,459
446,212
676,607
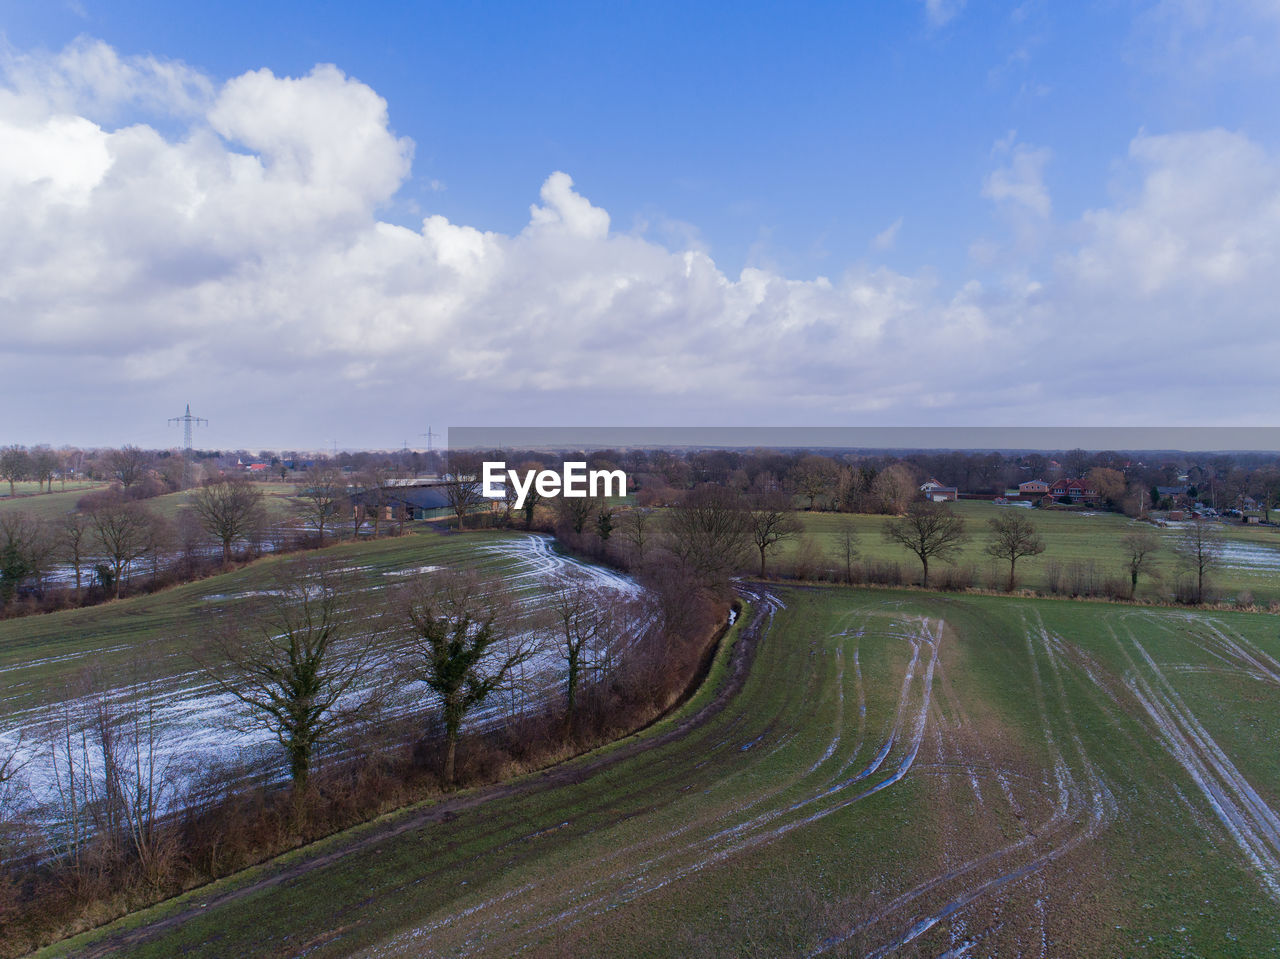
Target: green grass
x,y
46,505
32,488
154,636
1041,787
1069,537
276,498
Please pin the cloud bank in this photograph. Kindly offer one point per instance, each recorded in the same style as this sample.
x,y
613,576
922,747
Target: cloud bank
x,y
167,237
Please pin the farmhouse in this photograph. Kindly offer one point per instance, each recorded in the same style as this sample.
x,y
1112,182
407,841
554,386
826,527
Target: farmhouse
x,y
1035,487
937,493
1072,489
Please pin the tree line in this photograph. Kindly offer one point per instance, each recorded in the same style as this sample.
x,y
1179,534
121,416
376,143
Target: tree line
x,y
374,700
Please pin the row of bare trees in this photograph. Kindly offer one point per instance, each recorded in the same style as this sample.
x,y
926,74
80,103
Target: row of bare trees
x,y
330,674
318,662
711,529
110,533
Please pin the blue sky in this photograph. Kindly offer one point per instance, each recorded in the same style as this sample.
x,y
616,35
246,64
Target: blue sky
x,y
990,171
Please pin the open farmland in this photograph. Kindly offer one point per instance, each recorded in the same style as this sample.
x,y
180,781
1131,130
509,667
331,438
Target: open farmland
x,y
275,500
47,505
1251,562
865,773
145,648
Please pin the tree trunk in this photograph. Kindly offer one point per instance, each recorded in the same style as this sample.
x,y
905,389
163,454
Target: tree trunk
x,y
299,766
451,750
1011,576
762,562
925,580
572,696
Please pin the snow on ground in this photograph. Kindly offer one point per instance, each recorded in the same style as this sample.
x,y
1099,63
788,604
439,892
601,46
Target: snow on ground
x,y
201,725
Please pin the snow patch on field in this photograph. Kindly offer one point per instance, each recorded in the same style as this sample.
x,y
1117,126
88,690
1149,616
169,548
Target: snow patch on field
x,y
200,725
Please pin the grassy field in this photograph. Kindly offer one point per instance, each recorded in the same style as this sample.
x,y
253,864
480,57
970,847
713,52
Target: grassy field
x,y
46,505
24,488
1069,537
275,499
898,772
43,659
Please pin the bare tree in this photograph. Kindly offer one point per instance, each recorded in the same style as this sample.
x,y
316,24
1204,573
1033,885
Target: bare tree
x,y
294,668
1013,536
815,476
463,644
1199,551
893,489
25,549
637,530
162,540
11,766
1107,483
44,463
930,530
67,769
110,779
320,502
75,532
708,533
462,487
229,510
122,534
848,550
128,464
582,634
771,520
376,487
15,463
1139,546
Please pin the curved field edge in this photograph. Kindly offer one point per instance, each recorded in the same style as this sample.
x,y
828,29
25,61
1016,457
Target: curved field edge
x,y
348,841
900,772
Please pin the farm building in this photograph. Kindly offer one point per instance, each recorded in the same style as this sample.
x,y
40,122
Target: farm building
x,y
402,504
937,493
1036,487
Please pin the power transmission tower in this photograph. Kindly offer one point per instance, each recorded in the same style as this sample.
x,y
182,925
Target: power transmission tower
x,y
430,435
187,421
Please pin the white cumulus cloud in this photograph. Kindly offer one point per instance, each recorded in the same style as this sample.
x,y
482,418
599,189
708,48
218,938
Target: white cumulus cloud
x,y
241,262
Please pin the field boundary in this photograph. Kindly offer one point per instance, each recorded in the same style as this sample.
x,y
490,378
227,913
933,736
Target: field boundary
x,y
732,648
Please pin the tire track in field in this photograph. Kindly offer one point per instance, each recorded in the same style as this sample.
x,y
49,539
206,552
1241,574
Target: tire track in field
x,y
832,793
1247,817
1049,842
